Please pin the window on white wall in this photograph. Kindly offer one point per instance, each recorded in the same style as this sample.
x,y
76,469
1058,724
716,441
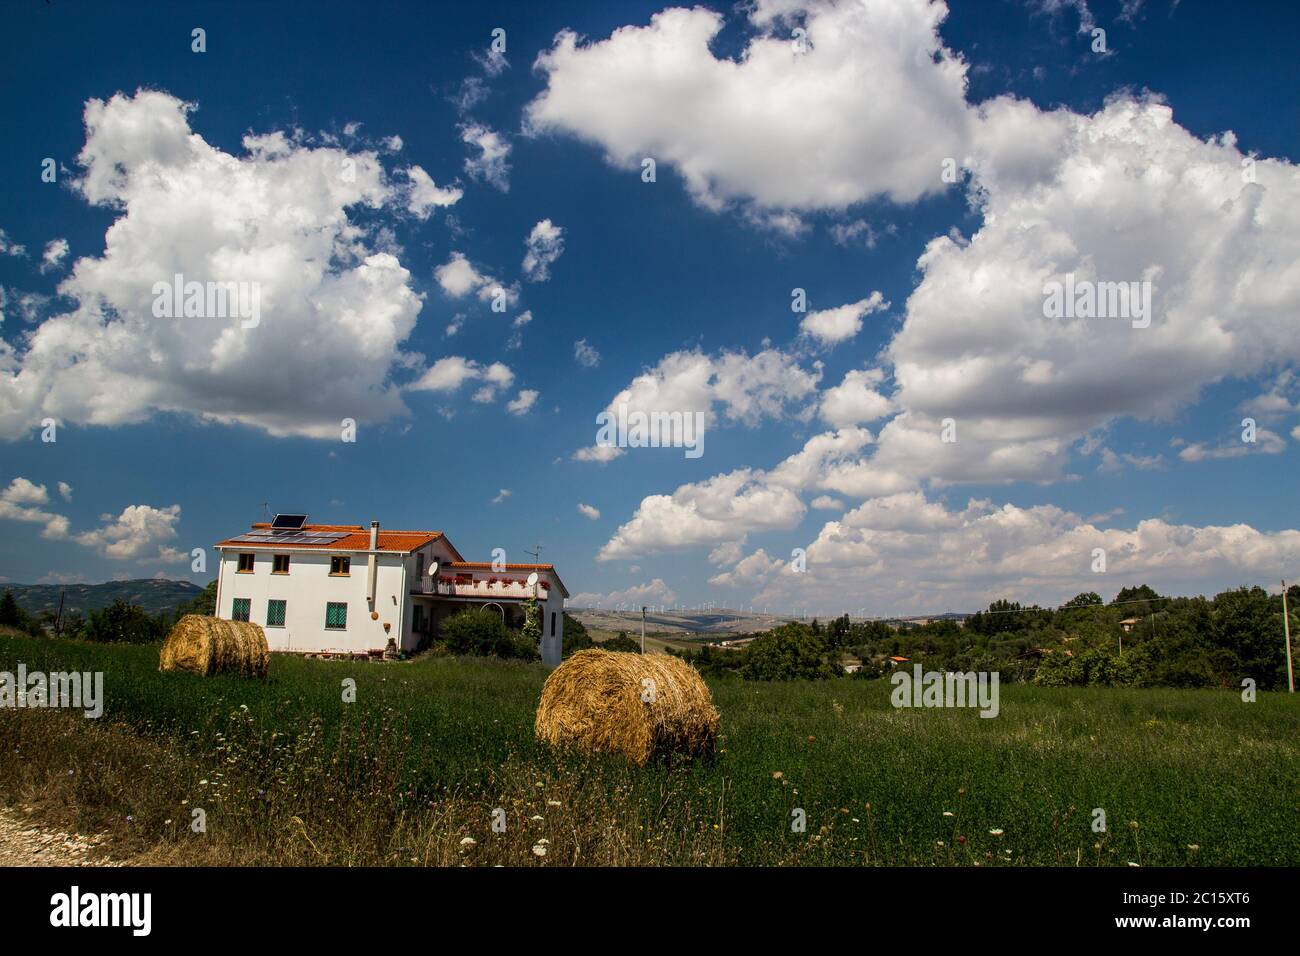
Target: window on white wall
x,y
336,616
275,613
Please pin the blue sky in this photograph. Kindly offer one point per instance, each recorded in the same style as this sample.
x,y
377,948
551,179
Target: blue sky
x,y
776,169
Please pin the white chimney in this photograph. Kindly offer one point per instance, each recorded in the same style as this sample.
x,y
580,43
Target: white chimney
x,y
372,567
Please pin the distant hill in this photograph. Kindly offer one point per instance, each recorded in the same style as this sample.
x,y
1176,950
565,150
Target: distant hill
x,y
151,594
715,622
678,621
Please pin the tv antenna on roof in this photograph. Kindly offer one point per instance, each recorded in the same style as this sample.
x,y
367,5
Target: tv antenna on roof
x,y
536,554
266,509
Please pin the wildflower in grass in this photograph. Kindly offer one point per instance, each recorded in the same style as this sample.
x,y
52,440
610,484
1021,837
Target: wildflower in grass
x,y
1131,863
536,817
553,803
938,843
961,839
776,774
1194,847
948,813
997,831
468,841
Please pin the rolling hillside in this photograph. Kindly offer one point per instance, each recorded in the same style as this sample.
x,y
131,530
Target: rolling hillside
x,y
151,594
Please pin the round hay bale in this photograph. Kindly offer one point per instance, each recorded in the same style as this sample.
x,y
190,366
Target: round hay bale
x,y
632,704
209,645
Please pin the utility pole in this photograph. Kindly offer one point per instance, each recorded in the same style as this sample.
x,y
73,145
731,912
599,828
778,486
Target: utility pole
x,y
1286,629
643,629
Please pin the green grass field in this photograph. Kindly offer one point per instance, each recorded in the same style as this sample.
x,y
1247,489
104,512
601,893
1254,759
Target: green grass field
x,y
286,772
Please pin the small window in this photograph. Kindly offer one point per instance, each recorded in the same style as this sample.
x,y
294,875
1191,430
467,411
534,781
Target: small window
x,y
336,616
280,564
275,613
417,624
246,564
241,608
419,566
552,624
340,564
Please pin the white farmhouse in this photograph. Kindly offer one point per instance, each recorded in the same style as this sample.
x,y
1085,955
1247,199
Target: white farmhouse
x,y
343,589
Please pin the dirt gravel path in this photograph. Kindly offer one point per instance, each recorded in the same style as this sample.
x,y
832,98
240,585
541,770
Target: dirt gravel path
x,y
25,843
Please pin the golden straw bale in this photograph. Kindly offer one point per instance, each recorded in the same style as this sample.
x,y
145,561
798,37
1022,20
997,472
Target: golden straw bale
x,y
209,645
632,704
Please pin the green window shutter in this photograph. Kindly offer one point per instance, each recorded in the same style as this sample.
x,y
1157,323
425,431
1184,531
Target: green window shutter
x,y
336,615
240,611
275,613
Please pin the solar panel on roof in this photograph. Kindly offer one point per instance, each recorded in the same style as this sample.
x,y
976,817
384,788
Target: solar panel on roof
x,y
290,537
290,522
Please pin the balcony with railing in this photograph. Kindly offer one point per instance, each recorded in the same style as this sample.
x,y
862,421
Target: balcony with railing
x,y
491,587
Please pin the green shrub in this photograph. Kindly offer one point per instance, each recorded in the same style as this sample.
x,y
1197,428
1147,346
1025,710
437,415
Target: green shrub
x,y
622,643
481,631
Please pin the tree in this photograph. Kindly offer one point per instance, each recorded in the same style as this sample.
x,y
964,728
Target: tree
x,y
1086,599
1007,617
789,652
11,615
205,602
532,632
576,637
122,623
1248,623
1138,601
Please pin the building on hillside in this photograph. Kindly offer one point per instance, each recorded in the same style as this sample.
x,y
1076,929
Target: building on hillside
x,y
345,589
1128,624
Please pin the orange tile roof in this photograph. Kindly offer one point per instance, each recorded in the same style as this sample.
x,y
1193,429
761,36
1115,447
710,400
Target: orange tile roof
x,y
357,539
